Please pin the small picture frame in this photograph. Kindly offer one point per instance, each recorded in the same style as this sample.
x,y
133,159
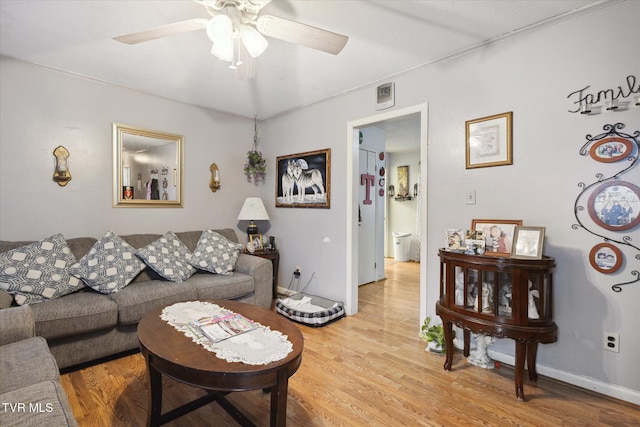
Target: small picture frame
x,y
498,234
528,242
257,241
489,141
605,258
454,240
385,96
475,242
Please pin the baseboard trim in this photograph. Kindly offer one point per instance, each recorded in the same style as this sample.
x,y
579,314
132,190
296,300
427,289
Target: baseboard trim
x,y
581,381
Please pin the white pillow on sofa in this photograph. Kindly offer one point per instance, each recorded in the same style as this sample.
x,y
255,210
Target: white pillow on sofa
x,y
38,271
168,257
109,266
215,253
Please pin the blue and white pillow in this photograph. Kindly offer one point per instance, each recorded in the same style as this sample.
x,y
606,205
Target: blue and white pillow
x,y
38,271
215,253
169,257
109,266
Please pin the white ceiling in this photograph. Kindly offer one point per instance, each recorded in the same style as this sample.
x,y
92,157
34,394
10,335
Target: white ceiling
x,y
385,38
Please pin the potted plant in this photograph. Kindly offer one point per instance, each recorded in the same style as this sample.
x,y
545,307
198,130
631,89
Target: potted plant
x,y
434,336
255,167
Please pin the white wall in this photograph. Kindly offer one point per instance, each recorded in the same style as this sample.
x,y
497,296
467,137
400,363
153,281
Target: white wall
x,y
530,74
402,214
41,109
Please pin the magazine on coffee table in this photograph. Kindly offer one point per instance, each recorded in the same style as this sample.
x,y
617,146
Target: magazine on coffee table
x,y
222,327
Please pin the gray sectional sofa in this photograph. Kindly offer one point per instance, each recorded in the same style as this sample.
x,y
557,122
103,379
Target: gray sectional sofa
x,y
87,325
30,389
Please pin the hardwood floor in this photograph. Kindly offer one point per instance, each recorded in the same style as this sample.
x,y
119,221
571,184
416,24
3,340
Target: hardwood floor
x,y
364,370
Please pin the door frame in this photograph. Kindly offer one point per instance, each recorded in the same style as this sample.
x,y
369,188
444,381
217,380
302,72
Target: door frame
x,y
353,182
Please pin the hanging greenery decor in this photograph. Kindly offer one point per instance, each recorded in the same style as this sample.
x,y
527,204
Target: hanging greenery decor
x,y
255,168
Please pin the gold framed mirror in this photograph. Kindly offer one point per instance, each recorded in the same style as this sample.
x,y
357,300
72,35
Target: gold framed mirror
x,y
147,167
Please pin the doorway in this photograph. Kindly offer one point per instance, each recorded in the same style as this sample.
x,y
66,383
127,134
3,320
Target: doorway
x,y
353,191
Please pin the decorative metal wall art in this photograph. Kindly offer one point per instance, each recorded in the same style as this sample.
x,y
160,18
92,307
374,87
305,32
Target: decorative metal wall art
x,y
612,203
588,102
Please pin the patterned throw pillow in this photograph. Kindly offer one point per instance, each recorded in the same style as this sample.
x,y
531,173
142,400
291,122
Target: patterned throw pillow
x,y
38,271
169,257
215,253
109,266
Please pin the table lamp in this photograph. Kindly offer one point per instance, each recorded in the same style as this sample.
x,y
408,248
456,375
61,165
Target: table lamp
x,y
253,210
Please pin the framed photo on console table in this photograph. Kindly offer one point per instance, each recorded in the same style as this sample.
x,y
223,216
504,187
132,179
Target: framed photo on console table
x,y
304,180
498,234
489,141
528,242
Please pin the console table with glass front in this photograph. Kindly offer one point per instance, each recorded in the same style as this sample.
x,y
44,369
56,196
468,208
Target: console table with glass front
x,y
500,297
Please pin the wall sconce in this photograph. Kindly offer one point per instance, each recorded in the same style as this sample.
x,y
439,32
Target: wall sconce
x,y
61,174
392,191
214,184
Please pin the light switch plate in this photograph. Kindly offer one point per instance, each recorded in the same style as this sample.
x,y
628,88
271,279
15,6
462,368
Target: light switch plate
x,y
470,197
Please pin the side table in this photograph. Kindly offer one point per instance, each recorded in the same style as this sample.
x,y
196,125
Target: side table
x,y
274,257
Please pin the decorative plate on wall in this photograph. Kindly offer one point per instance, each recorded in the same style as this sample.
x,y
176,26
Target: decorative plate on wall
x,y
611,150
605,258
615,205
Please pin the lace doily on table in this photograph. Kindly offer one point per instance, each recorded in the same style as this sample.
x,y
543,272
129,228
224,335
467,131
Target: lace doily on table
x,y
260,346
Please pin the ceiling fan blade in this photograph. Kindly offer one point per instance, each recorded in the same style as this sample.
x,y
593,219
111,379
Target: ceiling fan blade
x,y
162,31
305,35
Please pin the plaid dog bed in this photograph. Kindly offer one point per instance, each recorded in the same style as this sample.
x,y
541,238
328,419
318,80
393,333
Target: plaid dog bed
x,y
322,311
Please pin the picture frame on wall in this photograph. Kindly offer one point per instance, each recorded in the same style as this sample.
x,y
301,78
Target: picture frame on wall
x,y
609,150
489,141
304,180
605,258
528,242
498,234
615,205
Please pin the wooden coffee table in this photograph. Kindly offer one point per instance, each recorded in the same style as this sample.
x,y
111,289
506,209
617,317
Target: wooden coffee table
x,y
169,352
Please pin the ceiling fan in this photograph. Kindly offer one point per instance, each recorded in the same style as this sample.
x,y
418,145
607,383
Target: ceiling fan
x,y
237,31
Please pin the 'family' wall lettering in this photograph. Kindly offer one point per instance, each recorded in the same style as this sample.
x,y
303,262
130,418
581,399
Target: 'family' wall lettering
x,y
583,97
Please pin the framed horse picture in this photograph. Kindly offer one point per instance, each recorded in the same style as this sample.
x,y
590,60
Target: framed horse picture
x,y
304,180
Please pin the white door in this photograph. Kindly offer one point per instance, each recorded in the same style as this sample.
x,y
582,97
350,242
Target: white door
x,y
367,218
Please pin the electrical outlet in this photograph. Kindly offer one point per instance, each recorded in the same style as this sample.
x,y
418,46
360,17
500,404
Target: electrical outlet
x,y
298,271
612,341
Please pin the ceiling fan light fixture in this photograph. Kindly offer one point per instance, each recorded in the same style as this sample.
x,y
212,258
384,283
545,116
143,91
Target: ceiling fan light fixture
x,y
223,50
255,42
220,31
220,28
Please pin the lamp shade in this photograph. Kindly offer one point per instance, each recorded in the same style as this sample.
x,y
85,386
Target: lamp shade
x,y
253,209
